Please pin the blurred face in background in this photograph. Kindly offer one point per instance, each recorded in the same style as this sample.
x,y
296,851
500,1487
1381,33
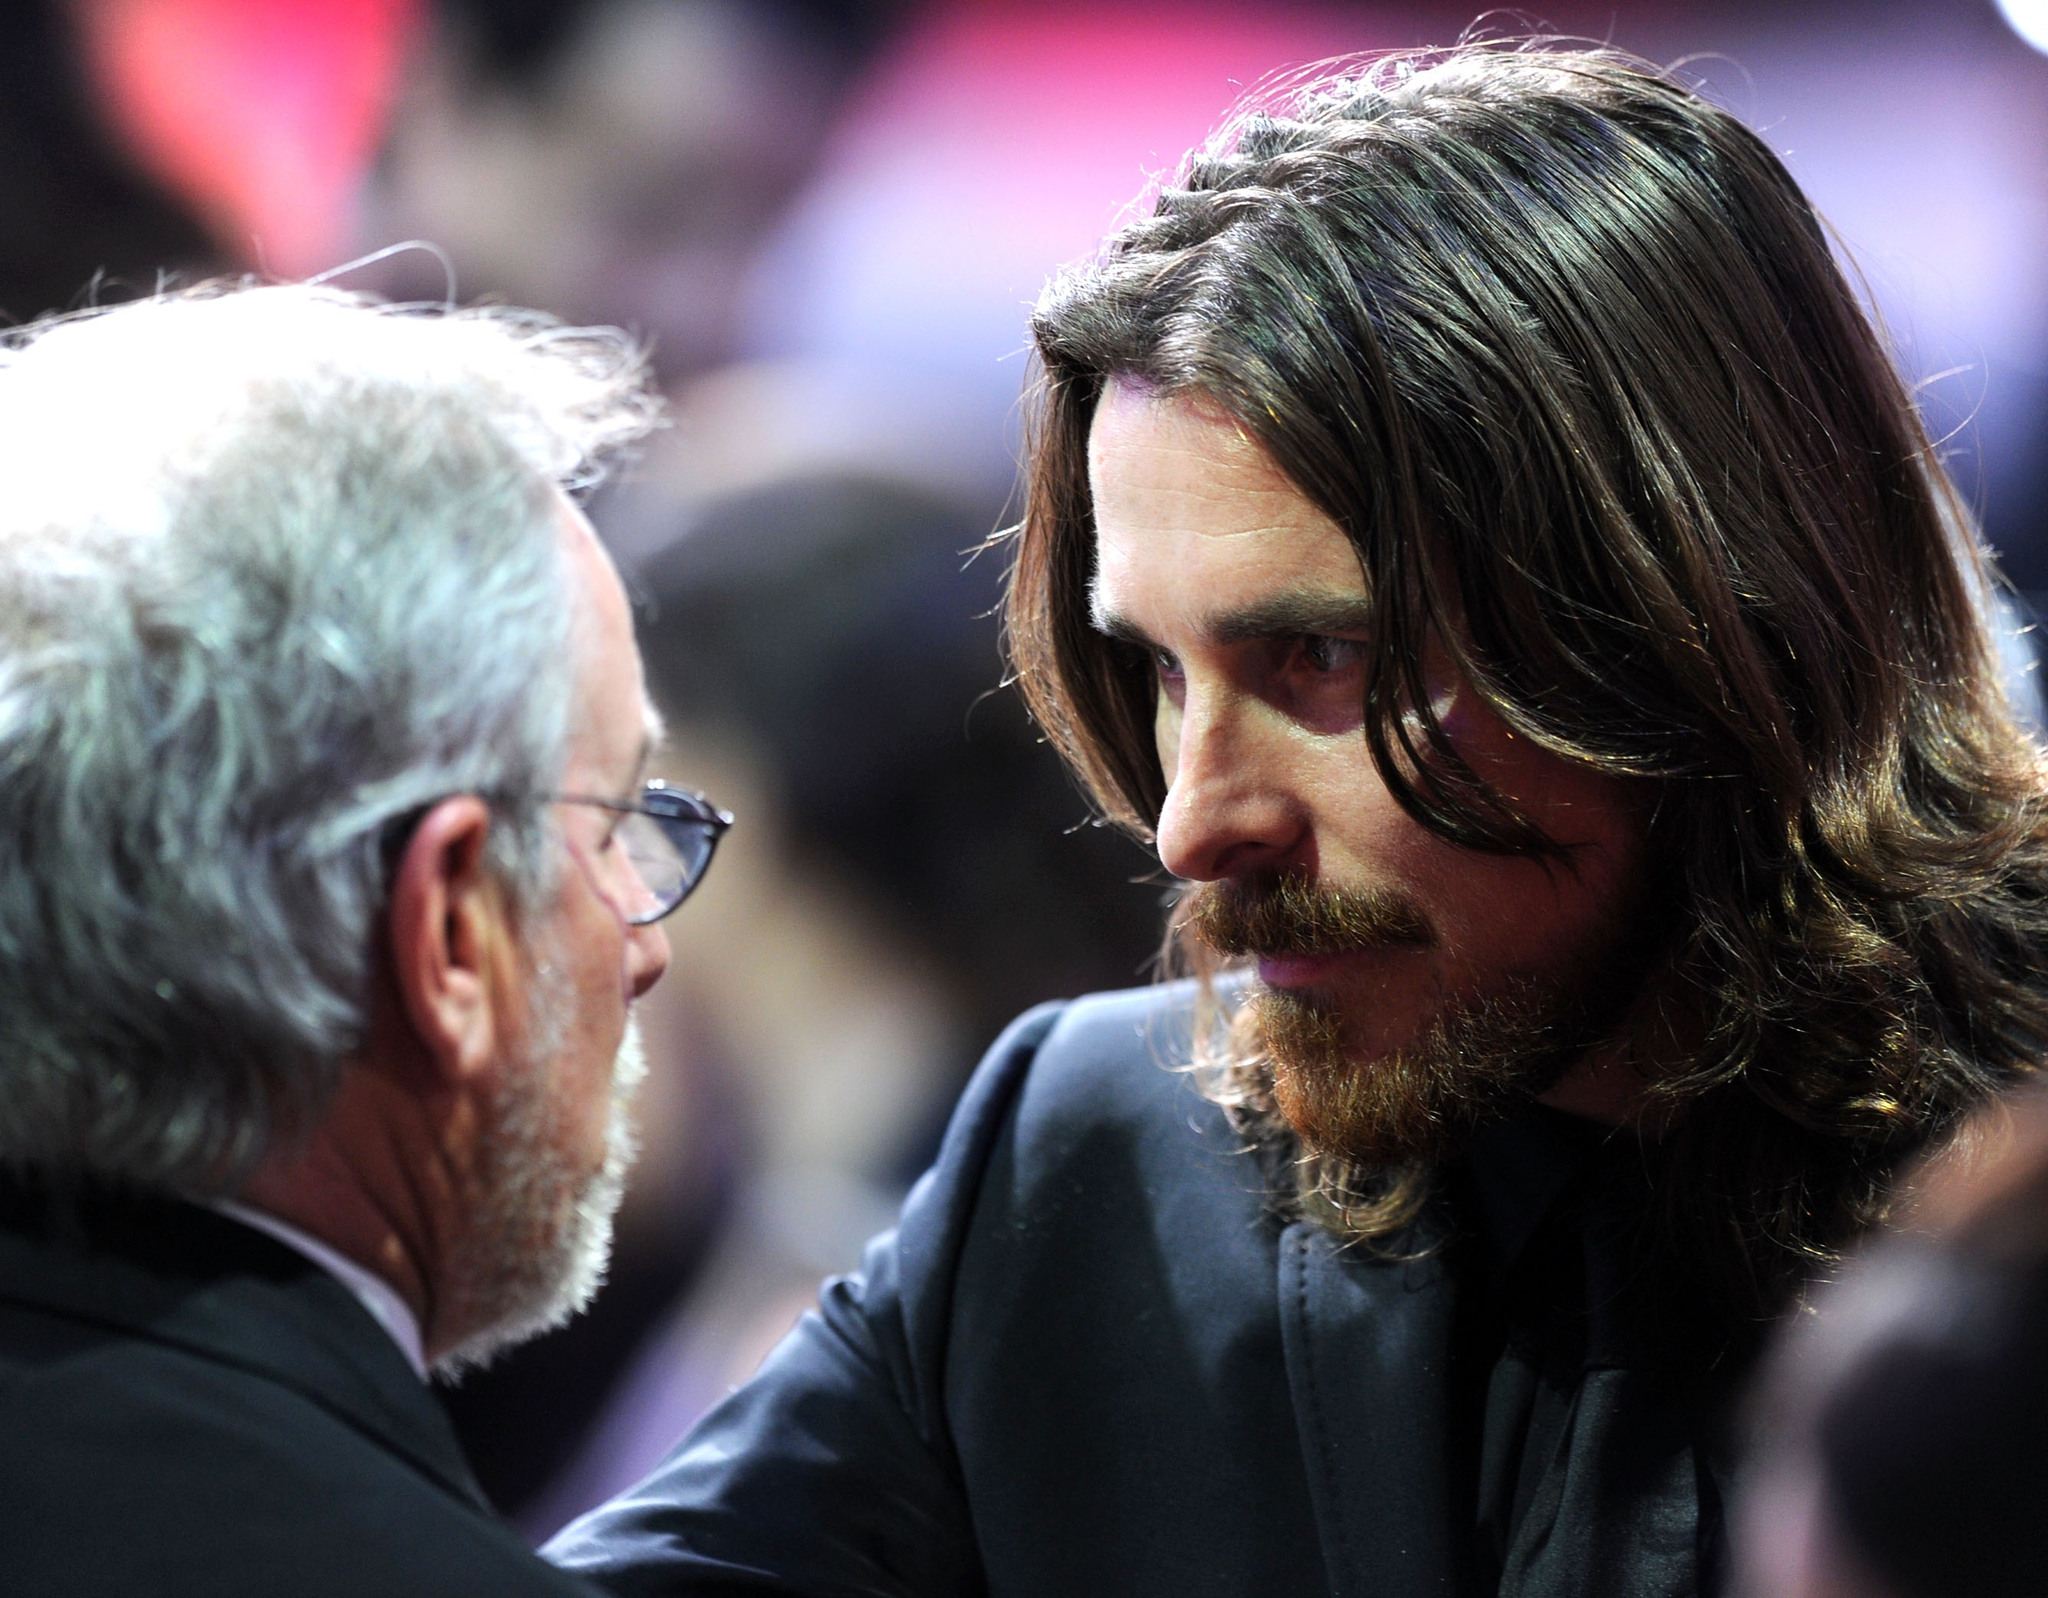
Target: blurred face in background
x,y
630,181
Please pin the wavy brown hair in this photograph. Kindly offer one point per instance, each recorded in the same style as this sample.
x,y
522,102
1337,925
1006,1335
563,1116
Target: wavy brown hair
x,y
1561,347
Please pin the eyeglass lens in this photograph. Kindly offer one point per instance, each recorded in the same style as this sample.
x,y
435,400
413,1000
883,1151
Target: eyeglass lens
x,y
669,854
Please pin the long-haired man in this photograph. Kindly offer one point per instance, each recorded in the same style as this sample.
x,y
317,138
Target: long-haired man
x,y
1475,534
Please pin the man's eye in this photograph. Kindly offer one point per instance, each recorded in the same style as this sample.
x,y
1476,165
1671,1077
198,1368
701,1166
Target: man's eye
x,y
1327,654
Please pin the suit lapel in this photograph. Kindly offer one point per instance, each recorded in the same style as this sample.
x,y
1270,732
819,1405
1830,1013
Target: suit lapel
x,y
312,1335
1367,1344
178,1274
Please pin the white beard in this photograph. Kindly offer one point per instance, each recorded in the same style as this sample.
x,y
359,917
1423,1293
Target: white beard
x,y
540,1234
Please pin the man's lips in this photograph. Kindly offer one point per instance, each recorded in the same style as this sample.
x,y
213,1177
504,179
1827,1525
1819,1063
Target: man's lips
x,y
1303,970
1297,970
1311,971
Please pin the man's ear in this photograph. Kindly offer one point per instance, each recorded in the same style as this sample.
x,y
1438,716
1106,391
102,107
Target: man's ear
x,y
450,935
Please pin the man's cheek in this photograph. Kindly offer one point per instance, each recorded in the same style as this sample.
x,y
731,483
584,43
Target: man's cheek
x,y
1166,734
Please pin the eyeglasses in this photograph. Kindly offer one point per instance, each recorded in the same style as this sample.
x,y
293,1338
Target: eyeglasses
x,y
668,837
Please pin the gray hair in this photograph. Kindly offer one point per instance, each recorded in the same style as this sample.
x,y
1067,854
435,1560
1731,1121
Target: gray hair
x,y
278,570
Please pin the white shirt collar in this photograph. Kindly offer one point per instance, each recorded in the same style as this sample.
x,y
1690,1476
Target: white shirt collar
x,y
377,1296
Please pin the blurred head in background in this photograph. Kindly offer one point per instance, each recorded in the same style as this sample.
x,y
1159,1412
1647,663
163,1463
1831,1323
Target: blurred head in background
x,y
843,628
612,160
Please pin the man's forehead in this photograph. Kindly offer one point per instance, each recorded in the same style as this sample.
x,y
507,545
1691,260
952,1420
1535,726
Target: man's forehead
x,y
1192,514
1263,584
1175,443
1226,576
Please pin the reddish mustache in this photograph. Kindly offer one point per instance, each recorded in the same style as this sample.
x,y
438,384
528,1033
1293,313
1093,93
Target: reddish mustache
x,y
1291,915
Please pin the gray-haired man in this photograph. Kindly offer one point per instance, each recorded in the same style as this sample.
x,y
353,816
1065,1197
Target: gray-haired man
x,y
327,882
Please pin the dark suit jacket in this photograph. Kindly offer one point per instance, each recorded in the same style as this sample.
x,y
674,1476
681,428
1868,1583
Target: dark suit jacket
x,y
189,1407
1093,1359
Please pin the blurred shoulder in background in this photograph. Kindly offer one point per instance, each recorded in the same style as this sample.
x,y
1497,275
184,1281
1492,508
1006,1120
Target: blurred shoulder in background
x,y
1902,1431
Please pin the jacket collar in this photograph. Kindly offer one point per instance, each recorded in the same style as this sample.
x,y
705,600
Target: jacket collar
x,y
1368,1336
1367,1340
158,1268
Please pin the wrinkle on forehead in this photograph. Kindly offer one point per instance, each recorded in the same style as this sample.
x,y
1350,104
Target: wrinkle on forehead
x,y
1167,447
1199,533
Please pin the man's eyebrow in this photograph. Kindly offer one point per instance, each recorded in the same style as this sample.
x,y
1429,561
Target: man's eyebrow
x,y
1121,628
1289,615
1283,615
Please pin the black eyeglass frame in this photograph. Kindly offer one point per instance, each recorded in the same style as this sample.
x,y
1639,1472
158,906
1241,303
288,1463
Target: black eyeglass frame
x,y
686,818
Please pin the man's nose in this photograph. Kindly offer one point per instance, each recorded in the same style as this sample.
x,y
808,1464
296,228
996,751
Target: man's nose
x,y
1229,808
646,958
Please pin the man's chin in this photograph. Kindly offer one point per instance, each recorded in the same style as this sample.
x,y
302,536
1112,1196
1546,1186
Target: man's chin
x,y
543,1240
1409,1106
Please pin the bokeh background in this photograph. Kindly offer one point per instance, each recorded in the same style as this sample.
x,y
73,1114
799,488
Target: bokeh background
x,y
829,219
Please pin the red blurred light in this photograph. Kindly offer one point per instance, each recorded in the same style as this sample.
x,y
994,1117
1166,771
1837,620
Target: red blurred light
x,y
262,114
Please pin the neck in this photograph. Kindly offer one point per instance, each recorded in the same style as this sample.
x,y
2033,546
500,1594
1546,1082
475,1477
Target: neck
x,y
1604,1087
1614,1083
375,1183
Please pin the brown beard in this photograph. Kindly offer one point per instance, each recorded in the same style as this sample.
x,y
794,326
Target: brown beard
x,y
1413,1106
1417,1104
